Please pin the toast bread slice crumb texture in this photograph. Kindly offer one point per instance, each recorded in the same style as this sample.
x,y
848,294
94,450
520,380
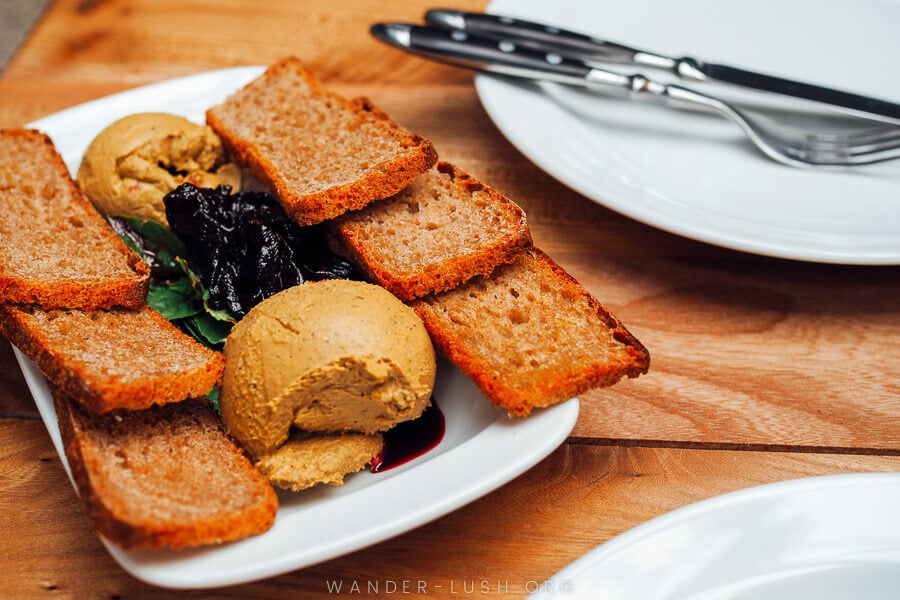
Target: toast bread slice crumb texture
x,y
168,476
439,232
318,152
117,358
531,335
56,250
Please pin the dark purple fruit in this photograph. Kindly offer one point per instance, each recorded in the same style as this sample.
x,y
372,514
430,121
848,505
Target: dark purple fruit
x,y
244,248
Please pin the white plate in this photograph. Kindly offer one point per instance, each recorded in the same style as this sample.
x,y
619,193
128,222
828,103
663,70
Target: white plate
x,y
828,538
696,175
481,450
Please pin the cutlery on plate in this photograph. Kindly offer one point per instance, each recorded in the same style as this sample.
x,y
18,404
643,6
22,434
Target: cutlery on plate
x,y
591,50
786,144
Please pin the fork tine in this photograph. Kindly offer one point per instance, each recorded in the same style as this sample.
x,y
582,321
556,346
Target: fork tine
x,y
883,146
877,154
855,147
851,155
874,135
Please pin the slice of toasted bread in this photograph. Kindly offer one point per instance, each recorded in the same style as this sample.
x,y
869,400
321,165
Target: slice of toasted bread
x,y
531,335
442,230
320,154
55,248
168,476
116,358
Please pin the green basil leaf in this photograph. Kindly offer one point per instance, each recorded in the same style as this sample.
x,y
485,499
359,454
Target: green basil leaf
x,y
173,303
133,243
157,235
176,292
205,329
213,397
189,326
218,314
212,329
183,286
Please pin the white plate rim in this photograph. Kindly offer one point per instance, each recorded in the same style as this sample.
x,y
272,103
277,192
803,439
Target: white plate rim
x,y
773,239
466,469
818,486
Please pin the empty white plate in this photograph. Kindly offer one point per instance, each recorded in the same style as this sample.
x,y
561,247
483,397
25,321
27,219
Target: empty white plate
x,y
697,175
829,538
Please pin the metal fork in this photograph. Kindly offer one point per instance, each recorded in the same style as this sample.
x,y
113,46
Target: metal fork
x,y
787,144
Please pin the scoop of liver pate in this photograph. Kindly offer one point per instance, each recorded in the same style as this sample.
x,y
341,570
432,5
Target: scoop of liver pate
x,y
133,163
331,356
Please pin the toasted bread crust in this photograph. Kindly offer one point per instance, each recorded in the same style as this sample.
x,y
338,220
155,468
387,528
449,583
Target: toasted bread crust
x,y
495,361
84,355
70,294
43,207
361,236
195,454
250,138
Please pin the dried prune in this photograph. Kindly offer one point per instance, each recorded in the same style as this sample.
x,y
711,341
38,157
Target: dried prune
x,y
244,248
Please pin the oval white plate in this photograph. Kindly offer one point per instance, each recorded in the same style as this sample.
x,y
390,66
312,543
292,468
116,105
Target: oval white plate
x,y
481,450
828,538
696,175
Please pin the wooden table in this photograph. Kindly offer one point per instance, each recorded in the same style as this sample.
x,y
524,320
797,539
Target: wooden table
x,y
762,369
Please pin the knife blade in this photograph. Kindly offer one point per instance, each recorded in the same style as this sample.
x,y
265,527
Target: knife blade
x,y
592,50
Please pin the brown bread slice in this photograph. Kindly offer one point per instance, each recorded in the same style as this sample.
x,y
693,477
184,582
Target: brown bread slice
x,y
168,476
321,154
530,335
55,248
117,358
442,230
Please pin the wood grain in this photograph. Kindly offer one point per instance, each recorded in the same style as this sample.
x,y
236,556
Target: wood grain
x,y
762,369
507,542
81,40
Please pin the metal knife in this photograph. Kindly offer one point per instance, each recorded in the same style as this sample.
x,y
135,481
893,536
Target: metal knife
x,y
594,50
489,55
